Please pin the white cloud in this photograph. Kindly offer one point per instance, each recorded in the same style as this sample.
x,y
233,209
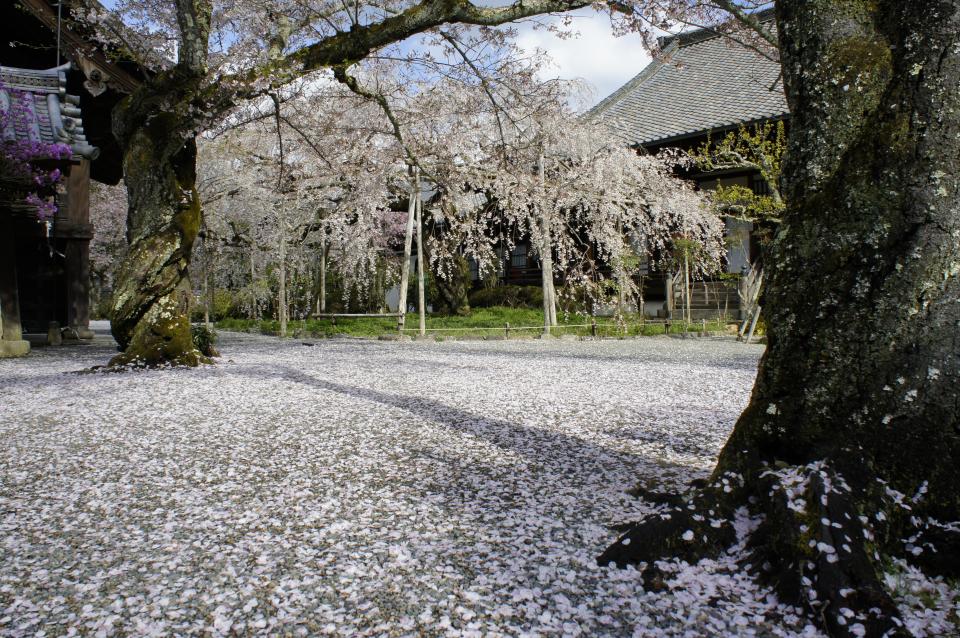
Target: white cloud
x,y
606,62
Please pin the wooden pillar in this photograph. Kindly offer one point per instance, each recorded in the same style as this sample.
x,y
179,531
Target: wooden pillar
x,y
421,290
77,249
322,300
12,343
407,249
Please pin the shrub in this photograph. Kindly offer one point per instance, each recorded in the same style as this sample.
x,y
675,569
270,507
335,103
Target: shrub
x,y
225,304
204,339
509,296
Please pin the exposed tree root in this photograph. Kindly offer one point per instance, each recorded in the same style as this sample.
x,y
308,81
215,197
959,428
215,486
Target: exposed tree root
x,y
938,546
125,361
657,497
816,544
689,531
161,338
817,549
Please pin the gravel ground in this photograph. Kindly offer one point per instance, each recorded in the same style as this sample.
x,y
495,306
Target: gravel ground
x,y
363,488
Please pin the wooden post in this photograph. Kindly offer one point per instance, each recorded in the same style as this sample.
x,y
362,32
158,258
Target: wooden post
x,y
208,291
506,330
282,293
322,307
254,305
54,337
753,324
546,297
703,323
640,302
77,249
671,301
553,290
421,289
666,326
546,257
593,327
407,248
12,343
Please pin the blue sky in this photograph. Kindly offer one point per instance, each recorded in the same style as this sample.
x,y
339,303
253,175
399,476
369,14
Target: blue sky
x,y
604,61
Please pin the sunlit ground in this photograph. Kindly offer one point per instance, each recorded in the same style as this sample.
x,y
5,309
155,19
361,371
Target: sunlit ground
x,y
363,488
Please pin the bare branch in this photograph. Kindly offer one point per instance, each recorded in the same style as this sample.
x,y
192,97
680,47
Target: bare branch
x,y
340,73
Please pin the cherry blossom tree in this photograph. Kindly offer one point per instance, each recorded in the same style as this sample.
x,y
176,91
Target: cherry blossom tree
x,y
507,158
295,184
584,198
109,244
230,52
829,470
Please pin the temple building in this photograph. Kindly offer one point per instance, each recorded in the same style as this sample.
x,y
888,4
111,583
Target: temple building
x,y
56,87
702,86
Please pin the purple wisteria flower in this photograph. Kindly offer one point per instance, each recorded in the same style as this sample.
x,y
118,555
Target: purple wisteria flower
x,y
26,161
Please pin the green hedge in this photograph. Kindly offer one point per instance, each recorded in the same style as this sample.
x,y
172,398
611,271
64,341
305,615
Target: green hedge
x,y
507,296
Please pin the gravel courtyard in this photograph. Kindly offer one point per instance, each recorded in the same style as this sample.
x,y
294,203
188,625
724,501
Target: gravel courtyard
x,y
362,488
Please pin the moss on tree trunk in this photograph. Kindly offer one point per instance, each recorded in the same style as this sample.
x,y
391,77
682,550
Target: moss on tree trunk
x,y
150,306
856,408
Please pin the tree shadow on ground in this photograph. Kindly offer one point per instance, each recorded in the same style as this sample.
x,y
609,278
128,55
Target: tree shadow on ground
x,y
551,451
745,361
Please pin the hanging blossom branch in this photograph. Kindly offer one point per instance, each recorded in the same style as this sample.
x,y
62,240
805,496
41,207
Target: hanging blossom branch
x,y
340,73
22,173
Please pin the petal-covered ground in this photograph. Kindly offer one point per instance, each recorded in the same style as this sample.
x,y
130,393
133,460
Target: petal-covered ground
x,y
363,488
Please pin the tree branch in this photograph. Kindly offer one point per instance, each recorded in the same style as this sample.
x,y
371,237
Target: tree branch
x,y
340,73
749,20
361,40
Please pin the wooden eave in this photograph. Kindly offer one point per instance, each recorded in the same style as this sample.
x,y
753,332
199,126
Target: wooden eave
x,y
79,46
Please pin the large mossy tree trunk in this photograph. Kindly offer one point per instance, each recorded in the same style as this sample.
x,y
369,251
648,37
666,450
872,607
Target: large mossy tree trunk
x,y
848,451
156,128
151,299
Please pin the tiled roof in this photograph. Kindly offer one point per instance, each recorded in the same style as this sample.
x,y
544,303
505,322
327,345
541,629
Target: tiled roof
x,y
53,116
702,82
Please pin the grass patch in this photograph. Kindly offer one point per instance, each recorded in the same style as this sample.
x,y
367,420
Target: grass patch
x,y
481,322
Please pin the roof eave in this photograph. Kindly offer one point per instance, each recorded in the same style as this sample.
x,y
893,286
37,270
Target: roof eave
x,y
723,128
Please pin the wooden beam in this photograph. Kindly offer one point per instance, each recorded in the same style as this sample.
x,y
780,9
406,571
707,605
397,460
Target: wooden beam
x,y
80,46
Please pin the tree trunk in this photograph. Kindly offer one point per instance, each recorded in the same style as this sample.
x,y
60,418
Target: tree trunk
x,y
156,128
421,268
254,302
453,293
322,300
210,285
552,306
686,286
152,293
407,250
546,282
207,293
282,277
453,288
857,400
546,257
